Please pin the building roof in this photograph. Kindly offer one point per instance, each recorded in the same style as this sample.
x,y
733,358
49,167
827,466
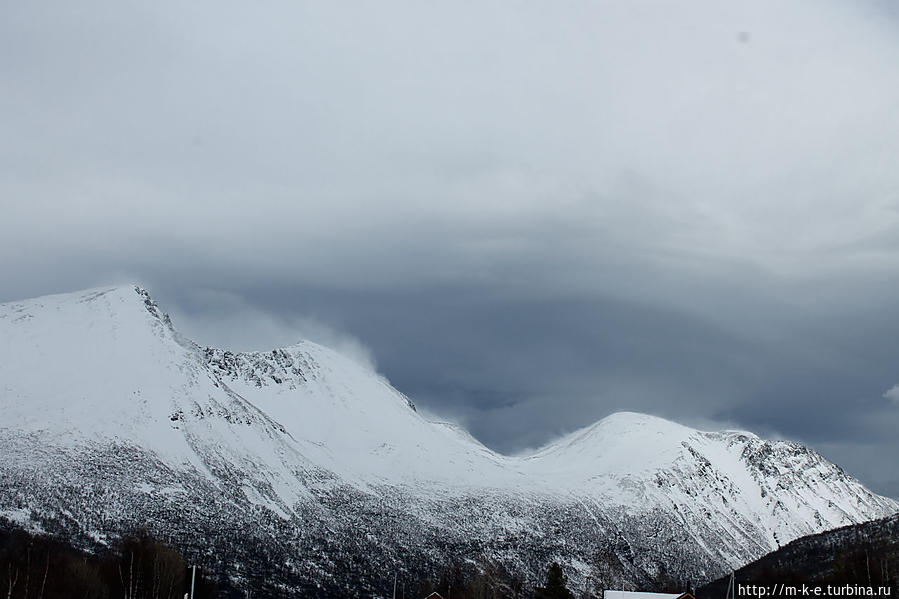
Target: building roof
x,y
642,595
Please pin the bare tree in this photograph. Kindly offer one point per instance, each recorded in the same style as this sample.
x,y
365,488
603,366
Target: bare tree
x,y
46,571
12,577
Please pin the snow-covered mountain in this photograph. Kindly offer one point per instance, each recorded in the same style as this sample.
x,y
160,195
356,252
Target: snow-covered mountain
x,y
301,460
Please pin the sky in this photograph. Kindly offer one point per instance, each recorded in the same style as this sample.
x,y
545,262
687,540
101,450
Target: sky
x,y
526,215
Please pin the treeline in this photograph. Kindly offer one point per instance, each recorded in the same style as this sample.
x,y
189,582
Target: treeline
x,y
492,581
855,566
138,567
864,554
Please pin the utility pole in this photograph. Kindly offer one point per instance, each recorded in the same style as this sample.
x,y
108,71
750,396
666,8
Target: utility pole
x,y
394,585
193,578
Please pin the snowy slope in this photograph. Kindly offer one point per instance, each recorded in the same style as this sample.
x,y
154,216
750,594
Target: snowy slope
x,y
111,419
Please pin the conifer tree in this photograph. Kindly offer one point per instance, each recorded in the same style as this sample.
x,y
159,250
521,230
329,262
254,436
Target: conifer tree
x,y
555,585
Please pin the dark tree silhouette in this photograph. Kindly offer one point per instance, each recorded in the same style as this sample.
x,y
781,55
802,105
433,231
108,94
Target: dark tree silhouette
x,y
556,585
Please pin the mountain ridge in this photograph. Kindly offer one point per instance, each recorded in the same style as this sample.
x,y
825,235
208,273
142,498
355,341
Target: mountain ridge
x,y
100,391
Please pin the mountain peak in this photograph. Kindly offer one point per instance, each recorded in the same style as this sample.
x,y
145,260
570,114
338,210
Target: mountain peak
x,y
632,428
107,299
637,420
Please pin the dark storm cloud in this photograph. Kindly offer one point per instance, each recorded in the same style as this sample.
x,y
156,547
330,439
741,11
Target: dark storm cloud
x,y
527,216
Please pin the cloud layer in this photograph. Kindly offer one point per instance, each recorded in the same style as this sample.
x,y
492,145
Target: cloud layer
x,y
530,214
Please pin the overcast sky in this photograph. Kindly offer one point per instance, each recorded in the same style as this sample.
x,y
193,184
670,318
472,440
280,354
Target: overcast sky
x,y
526,214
